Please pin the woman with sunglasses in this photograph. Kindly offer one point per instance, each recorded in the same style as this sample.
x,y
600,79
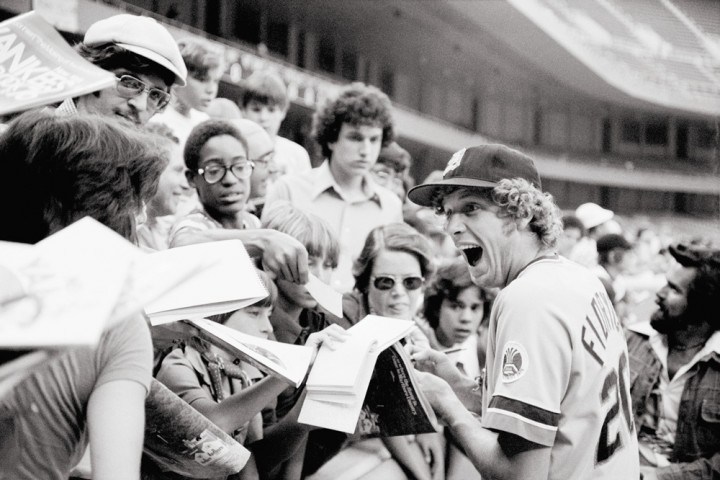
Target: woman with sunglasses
x,y
390,276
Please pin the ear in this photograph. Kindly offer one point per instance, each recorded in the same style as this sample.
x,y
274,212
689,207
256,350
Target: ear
x,y
190,177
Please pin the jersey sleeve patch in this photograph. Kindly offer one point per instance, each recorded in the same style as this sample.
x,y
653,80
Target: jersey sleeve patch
x,y
527,421
514,362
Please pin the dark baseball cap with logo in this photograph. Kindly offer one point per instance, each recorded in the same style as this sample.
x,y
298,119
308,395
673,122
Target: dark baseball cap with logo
x,y
479,167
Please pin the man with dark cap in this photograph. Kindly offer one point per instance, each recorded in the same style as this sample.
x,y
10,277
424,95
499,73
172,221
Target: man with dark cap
x,y
613,252
145,60
675,371
555,398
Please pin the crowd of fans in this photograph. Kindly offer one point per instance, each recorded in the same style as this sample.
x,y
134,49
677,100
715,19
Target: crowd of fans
x,y
161,161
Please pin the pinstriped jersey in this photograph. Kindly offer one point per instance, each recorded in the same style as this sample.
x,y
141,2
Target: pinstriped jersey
x,y
557,372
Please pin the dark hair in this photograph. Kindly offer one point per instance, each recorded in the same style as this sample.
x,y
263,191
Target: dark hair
x,y
450,280
200,58
398,237
311,230
703,297
202,133
571,221
357,104
111,57
395,157
266,88
61,169
268,301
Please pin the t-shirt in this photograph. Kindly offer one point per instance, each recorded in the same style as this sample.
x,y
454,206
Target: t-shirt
x,y
291,158
557,372
43,428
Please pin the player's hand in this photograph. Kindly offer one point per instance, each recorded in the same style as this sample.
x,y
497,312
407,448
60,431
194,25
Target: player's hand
x,y
330,336
435,362
433,449
439,394
284,257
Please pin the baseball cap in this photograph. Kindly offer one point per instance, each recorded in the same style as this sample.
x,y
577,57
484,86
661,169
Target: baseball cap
x,y
480,167
612,241
592,214
143,36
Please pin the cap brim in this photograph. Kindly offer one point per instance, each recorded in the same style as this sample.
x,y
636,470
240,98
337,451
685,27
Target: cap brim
x,y
423,194
156,58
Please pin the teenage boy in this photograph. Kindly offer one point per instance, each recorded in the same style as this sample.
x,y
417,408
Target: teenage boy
x,y
266,103
145,60
351,129
205,66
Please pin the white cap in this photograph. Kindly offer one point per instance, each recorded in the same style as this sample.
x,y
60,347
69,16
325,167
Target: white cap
x,y
591,214
143,36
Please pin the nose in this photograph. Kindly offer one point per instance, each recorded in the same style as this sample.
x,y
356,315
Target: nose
x,y
211,88
454,225
139,101
229,178
265,325
466,315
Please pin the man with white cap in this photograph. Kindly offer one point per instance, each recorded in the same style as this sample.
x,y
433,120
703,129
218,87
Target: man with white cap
x,y
555,398
145,60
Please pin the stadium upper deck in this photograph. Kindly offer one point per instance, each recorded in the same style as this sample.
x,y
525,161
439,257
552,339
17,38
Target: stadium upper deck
x,y
618,100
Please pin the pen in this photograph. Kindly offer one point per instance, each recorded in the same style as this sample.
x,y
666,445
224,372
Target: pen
x,y
452,350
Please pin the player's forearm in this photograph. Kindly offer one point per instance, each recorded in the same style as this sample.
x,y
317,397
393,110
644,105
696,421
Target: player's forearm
x,y
468,391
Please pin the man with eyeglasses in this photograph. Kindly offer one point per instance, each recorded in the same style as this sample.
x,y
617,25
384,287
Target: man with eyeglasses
x,y
146,62
262,153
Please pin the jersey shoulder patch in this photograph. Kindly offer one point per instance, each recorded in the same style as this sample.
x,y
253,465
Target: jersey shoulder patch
x,y
514,362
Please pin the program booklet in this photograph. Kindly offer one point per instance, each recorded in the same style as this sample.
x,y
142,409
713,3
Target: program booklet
x,y
38,67
180,439
366,385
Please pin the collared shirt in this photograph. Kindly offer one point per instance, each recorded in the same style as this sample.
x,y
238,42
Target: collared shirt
x,y
662,406
67,108
317,192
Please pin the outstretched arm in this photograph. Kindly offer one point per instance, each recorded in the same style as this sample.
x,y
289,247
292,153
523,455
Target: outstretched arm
x,y
282,255
500,456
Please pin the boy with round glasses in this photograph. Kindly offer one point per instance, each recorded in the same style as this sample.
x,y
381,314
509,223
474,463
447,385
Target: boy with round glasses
x,y
218,167
145,60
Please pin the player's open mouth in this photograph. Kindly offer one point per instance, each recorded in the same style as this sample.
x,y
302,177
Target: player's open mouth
x,y
473,254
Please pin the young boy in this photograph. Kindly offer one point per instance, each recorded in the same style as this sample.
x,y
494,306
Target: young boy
x,y
205,66
351,129
266,103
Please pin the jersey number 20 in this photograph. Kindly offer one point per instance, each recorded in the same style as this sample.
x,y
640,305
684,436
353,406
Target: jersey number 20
x,y
621,405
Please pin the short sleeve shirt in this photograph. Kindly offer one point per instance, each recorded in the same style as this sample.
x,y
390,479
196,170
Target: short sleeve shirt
x,y
557,372
43,429
199,221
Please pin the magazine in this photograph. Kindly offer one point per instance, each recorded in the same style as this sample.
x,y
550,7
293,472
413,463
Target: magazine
x,y
38,67
227,282
180,439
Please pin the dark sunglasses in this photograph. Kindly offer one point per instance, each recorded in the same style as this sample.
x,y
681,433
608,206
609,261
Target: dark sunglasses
x,y
386,283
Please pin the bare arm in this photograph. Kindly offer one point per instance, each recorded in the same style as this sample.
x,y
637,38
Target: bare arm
x,y
493,456
238,409
116,419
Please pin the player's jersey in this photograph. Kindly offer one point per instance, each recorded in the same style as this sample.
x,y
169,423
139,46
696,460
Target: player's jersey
x,y
557,372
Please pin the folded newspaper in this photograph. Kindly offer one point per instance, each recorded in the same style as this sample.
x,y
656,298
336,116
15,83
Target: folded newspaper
x,y
38,67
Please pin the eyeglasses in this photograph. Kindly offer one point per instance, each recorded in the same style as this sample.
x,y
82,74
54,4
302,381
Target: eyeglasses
x,y
264,161
215,173
130,87
387,282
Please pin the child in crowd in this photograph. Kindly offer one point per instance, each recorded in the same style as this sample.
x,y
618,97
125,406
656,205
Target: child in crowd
x,y
218,167
172,189
220,390
351,128
205,66
265,102
296,315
